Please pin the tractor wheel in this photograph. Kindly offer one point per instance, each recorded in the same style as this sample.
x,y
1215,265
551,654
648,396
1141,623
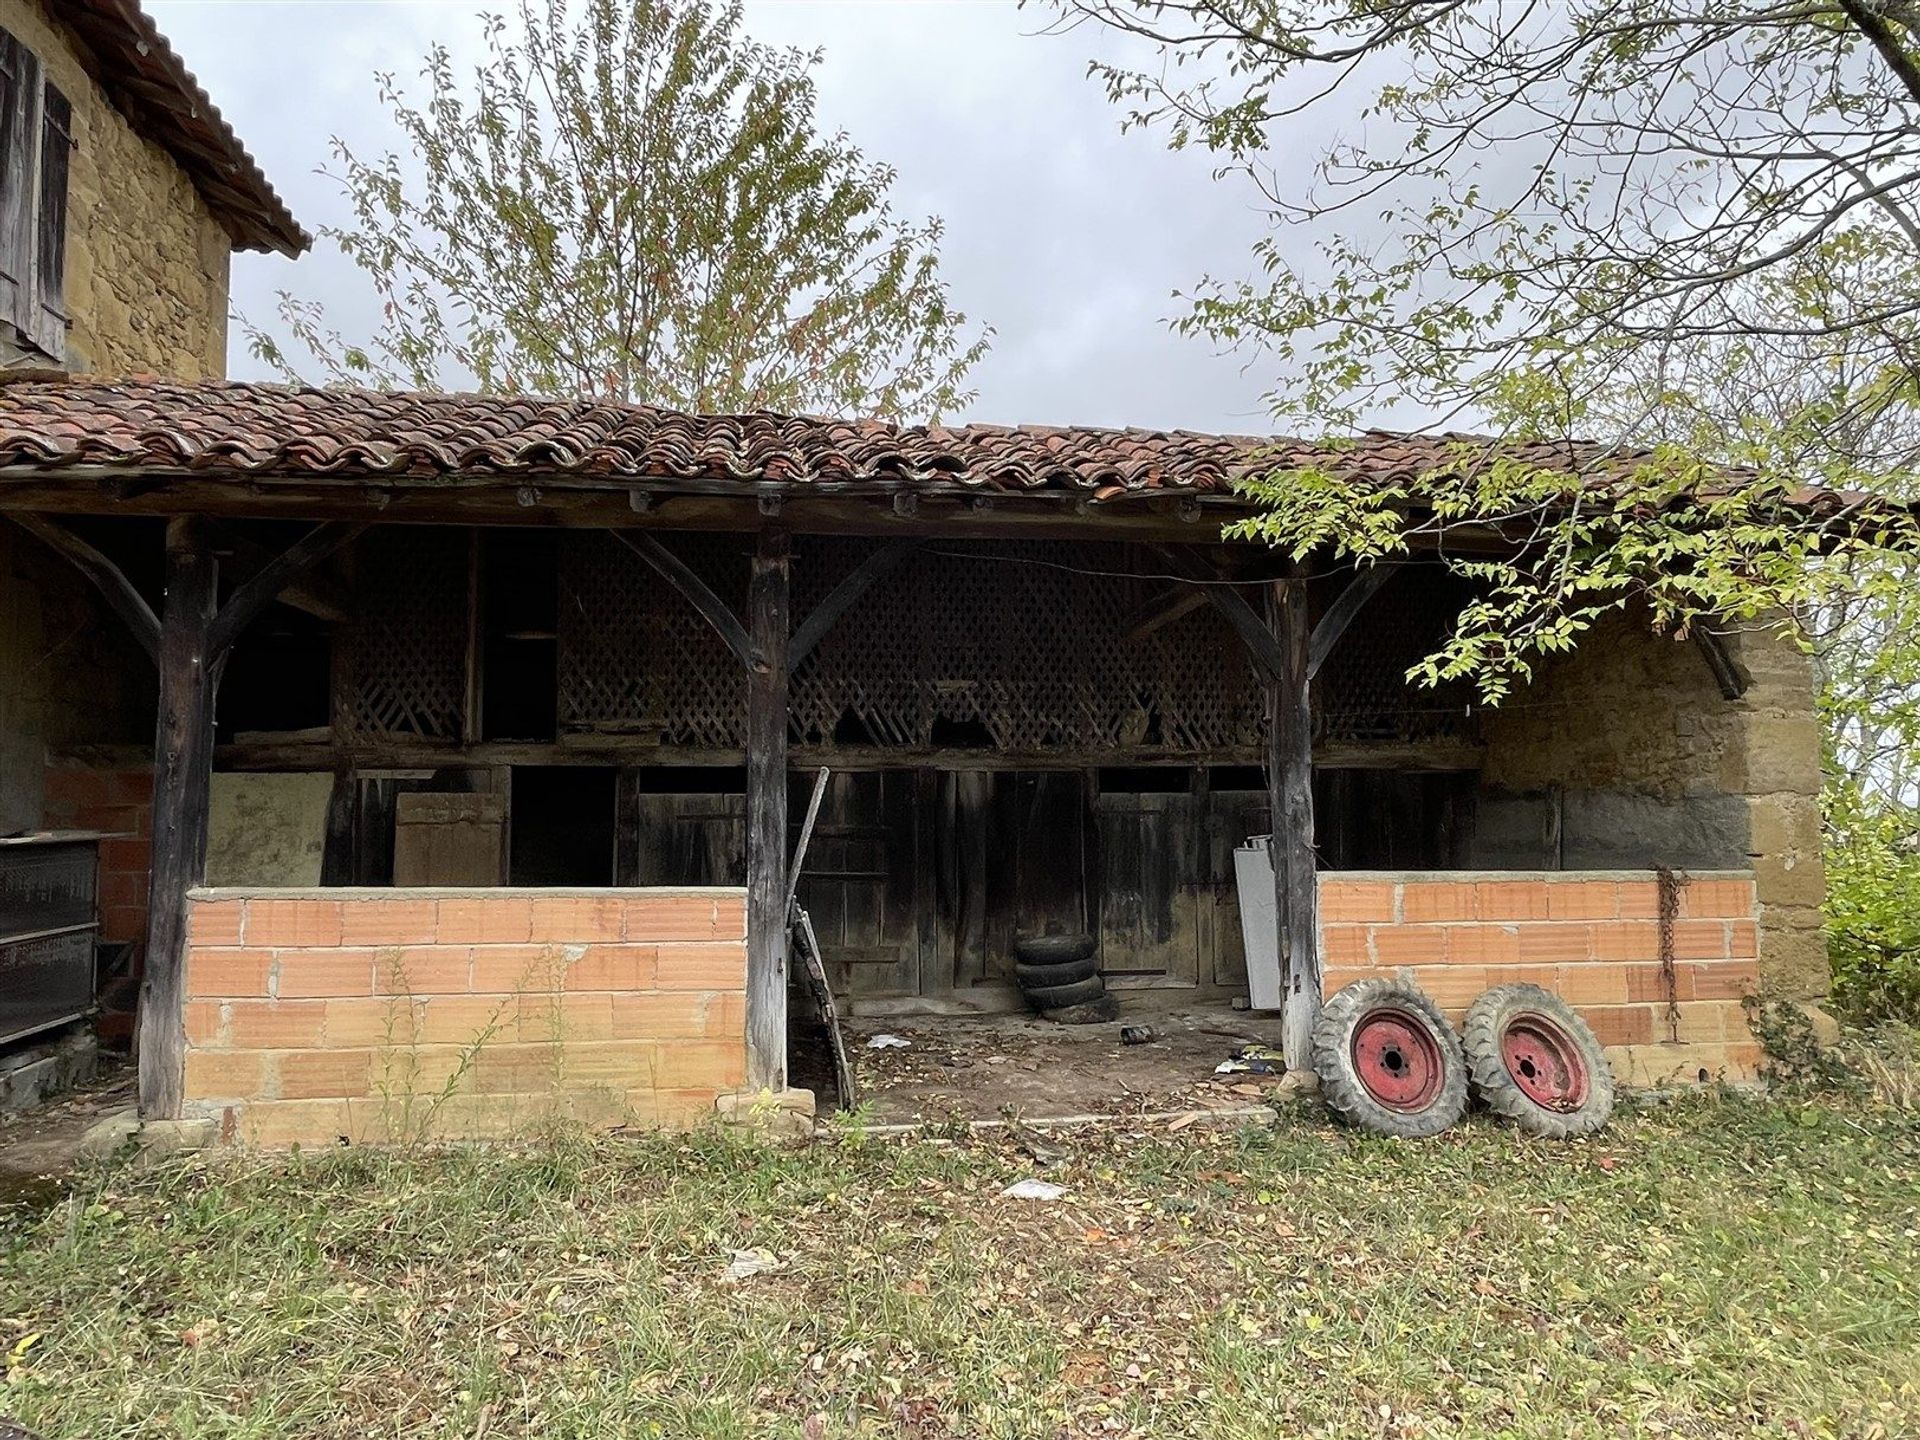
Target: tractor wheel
x,y
1388,1061
1533,1061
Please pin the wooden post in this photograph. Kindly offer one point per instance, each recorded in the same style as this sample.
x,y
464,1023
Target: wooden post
x,y
767,814
183,766
1290,789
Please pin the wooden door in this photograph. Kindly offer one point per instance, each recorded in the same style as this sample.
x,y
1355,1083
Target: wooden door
x,y
688,839
861,880
1012,858
1151,847
1232,816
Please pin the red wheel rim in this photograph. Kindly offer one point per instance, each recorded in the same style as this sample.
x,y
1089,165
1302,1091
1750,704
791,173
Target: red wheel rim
x,y
1544,1062
1398,1061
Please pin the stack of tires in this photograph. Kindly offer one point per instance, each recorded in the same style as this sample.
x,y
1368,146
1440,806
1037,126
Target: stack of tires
x,y
1060,978
1388,1061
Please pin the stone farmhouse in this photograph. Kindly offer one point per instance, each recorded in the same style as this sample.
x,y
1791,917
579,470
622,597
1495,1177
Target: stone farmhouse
x,y
457,743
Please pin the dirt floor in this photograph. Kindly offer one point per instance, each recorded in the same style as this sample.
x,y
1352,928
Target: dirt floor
x,y
1020,1066
40,1144
952,1069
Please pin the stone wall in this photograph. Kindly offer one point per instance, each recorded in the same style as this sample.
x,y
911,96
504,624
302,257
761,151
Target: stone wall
x,y
317,1016
1591,938
147,263
1626,754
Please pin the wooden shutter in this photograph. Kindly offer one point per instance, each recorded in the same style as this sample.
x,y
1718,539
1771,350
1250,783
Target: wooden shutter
x,y
19,88
49,319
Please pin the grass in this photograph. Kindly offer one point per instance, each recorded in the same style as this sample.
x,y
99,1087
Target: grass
x,y
1710,1267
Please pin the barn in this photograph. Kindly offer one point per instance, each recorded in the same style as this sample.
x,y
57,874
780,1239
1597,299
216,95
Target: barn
x,y
485,726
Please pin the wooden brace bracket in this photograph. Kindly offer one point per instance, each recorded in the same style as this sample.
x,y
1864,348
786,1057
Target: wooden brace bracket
x,y
1366,583
233,617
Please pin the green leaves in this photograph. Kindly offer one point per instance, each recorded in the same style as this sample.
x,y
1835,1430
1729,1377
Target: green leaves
x,y
1554,548
631,200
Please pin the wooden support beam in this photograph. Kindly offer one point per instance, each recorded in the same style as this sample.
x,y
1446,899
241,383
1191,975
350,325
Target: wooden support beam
x,y
767,604
275,576
1162,611
1366,584
242,557
695,591
114,588
183,765
842,597
1728,673
1290,789
1233,608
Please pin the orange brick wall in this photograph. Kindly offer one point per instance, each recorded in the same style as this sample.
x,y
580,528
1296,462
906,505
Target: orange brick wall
x,y
119,802
383,1015
1593,938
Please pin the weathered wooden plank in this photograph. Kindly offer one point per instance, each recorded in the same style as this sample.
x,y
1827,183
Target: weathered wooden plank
x,y
766,659
1290,780
183,765
336,851
1363,587
301,752
125,601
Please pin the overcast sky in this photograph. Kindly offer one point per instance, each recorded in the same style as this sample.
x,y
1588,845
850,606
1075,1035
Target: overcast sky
x,y
1065,235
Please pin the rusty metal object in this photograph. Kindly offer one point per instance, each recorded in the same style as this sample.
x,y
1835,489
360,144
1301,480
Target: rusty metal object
x,y
1670,883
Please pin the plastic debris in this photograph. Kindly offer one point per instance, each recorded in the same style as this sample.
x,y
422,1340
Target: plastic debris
x,y
748,1263
1033,1190
888,1042
1136,1034
1253,1060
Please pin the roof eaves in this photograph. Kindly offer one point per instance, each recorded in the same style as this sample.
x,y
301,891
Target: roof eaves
x,y
161,98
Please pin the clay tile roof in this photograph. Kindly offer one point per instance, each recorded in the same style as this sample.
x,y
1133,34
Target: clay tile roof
x,y
243,429
162,100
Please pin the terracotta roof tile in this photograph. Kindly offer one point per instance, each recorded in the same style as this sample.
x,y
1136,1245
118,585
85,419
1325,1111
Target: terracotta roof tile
x,y
256,430
242,429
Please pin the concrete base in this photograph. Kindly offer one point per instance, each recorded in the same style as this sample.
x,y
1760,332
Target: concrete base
x,y
123,1131
44,1068
781,1115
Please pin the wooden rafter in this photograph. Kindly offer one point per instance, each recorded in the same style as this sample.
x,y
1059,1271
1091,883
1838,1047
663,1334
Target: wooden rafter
x,y
273,577
1162,611
1728,673
1233,608
316,594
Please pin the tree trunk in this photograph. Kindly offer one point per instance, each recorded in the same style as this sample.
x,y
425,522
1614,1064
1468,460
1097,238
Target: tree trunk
x,y
1290,787
767,815
183,766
